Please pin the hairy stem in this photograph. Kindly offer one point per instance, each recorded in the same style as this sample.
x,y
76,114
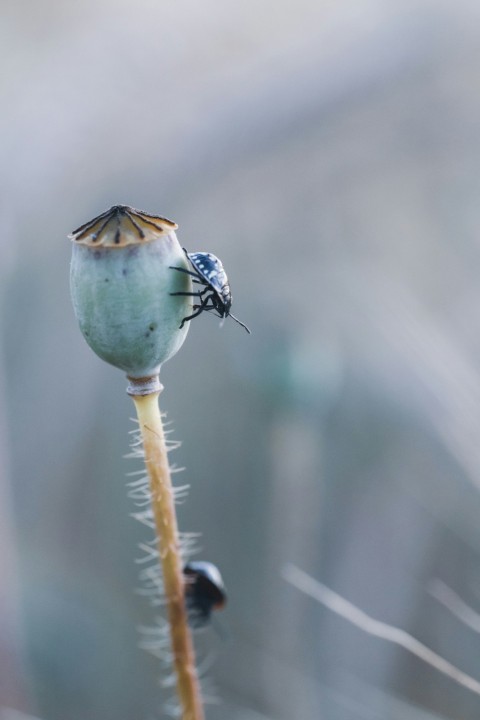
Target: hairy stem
x,y
163,507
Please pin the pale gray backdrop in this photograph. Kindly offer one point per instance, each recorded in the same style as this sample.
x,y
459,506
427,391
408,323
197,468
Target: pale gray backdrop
x,y
329,153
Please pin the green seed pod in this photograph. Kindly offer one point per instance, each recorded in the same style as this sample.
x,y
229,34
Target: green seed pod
x,y
121,284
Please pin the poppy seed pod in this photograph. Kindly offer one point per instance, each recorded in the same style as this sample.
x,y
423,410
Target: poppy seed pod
x,y
121,283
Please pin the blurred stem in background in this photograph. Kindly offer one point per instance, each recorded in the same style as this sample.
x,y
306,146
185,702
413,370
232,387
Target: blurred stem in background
x,y
14,687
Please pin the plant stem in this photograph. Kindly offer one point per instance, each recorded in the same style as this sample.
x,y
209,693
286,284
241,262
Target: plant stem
x,y
163,507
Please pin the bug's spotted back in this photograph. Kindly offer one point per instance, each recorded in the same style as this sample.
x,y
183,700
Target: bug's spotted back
x,y
211,268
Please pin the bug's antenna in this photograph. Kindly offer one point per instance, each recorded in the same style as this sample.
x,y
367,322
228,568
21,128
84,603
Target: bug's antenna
x,y
240,323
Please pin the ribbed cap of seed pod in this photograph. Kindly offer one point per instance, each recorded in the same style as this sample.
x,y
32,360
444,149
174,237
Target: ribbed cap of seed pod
x,y
121,282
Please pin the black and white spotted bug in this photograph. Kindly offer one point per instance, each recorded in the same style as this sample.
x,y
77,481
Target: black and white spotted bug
x,y
216,295
204,591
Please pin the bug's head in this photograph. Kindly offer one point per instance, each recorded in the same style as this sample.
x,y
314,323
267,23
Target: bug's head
x,y
227,304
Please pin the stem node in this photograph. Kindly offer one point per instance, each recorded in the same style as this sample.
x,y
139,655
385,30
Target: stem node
x,y
144,385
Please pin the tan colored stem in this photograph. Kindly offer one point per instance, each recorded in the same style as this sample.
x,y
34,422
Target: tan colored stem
x,y
166,523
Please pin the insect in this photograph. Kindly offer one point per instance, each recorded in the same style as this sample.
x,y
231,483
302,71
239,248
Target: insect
x,y
204,591
216,294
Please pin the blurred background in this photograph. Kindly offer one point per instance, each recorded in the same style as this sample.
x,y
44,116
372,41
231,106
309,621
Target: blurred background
x,y
329,154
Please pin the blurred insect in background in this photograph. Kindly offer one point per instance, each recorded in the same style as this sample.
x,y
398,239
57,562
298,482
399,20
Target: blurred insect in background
x,y
216,295
204,592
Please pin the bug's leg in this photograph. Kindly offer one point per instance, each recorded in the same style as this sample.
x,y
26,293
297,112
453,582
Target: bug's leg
x,y
205,304
187,272
213,306
191,294
204,307
198,310
194,315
